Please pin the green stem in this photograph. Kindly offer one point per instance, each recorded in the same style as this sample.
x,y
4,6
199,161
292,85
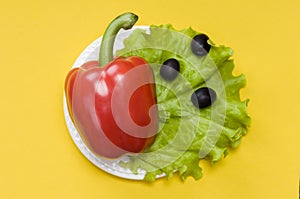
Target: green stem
x,y
125,21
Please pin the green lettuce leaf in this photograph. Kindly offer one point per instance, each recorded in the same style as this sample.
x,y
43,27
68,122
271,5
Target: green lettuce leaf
x,y
187,134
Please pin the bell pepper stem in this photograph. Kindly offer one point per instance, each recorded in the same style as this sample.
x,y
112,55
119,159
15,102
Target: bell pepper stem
x,y
125,21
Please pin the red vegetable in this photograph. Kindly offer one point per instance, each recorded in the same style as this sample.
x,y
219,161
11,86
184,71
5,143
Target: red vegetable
x,y
113,107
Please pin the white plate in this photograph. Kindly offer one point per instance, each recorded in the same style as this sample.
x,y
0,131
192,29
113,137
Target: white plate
x,y
110,166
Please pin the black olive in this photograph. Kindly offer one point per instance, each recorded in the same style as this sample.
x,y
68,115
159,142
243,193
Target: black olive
x,y
170,69
199,45
203,97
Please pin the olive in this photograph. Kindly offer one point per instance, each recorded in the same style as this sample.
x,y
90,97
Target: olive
x,y
199,45
170,69
203,97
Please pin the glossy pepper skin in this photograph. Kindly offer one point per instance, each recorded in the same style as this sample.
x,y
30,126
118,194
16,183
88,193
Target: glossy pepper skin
x,y
113,107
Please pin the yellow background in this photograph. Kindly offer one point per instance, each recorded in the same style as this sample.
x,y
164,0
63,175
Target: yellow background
x,y
40,40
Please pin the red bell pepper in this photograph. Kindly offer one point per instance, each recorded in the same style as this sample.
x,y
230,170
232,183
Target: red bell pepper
x,y
113,102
